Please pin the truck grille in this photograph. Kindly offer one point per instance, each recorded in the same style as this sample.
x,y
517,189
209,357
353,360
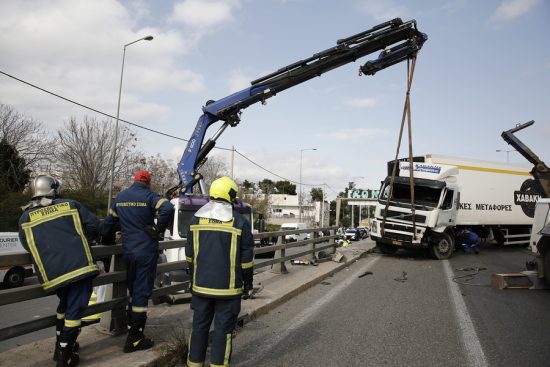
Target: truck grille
x,y
403,216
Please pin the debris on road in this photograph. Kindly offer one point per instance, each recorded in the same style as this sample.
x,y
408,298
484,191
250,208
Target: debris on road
x,y
338,257
470,276
510,280
325,283
403,278
303,262
365,273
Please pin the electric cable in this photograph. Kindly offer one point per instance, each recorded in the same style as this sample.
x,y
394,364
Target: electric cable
x,y
146,128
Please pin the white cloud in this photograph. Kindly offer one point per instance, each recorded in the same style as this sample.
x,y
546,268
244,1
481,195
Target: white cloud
x,y
204,14
361,102
361,133
238,80
383,10
74,48
512,9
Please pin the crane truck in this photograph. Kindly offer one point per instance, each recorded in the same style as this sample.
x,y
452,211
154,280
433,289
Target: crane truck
x,y
397,40
540,233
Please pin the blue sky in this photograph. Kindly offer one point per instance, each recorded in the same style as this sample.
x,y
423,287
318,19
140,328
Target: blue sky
x,y
484,68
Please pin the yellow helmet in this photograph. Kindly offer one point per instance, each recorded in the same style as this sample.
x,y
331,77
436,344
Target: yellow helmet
x,y
224,188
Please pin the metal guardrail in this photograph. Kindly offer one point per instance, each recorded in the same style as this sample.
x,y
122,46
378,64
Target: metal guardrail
x,y
113,308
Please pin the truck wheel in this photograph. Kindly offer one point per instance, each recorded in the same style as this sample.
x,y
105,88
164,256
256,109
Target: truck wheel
x,y
442,246
387,249
14,277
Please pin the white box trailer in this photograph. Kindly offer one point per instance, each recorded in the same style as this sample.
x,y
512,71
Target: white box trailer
x,y
495,200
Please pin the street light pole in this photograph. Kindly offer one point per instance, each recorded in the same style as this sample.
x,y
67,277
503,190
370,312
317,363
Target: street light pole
x,y
507,153
113,151
300,193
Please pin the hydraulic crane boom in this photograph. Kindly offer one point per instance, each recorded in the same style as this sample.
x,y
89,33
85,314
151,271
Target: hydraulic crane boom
x,y
403,38
540,170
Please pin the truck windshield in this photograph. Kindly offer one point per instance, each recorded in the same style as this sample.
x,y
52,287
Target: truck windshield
x,y
424,196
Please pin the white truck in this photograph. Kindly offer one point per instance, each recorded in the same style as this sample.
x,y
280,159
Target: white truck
x,y
495,200
13,276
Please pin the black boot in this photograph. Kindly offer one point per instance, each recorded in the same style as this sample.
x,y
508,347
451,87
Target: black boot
x,y
58,329
136,340
67,355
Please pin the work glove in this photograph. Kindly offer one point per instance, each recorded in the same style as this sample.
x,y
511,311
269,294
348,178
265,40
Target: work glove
x,y
156,232
248,286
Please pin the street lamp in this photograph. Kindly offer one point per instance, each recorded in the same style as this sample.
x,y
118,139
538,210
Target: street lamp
x,y
507,153
300,195
113,152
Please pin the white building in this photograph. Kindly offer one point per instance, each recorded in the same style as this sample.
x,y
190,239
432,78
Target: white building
x,y
285,208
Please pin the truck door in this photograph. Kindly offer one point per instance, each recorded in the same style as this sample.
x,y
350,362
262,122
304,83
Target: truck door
x,y
447,209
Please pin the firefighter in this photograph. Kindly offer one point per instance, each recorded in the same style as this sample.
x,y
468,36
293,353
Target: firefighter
x,y
469,240
56,232
136,209
219,252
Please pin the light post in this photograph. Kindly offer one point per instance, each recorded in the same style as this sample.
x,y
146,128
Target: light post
x,y
300,194
507,153
113,152
353,206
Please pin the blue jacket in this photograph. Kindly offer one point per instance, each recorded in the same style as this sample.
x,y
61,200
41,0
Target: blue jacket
x,y
217,253
468,237
57,237
135,208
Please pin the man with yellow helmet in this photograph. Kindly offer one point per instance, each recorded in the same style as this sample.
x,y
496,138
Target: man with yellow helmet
x,y
220,252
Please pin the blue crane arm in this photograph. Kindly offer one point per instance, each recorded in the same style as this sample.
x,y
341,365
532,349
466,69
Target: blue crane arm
x,y
403,38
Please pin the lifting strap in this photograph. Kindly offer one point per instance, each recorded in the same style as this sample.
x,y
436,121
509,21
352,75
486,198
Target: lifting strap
x,y
406,114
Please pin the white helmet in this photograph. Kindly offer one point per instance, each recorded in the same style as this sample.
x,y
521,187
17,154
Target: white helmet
x,y
44,185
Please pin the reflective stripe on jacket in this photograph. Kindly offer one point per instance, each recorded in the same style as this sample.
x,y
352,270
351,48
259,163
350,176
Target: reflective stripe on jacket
x,y
217,253
56,236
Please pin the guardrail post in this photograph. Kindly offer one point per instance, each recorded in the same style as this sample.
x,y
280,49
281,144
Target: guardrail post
x,y
314,235
114,321
332,242
279,268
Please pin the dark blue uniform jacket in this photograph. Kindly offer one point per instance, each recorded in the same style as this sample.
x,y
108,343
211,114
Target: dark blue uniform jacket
x,y
217,253
135,208
57,237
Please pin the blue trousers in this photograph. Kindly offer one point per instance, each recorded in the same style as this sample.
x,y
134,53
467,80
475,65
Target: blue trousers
x,y
224,312
73,301
140,278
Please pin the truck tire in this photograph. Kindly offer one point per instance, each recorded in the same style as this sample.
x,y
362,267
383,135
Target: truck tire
x,y
442,246
387,249
14,277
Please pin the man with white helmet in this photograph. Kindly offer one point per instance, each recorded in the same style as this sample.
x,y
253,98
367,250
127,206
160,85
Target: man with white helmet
x,y
56,232
219,251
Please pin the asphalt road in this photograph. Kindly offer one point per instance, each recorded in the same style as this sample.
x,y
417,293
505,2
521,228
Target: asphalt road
x,y
409,312
17,313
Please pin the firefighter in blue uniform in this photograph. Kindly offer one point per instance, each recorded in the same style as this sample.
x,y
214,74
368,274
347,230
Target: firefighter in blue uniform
x,y
219,251
469,240
135,209
56,232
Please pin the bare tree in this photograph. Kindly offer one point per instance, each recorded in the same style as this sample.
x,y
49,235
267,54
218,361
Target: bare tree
x,y
25,134
83,153
164,172
212,169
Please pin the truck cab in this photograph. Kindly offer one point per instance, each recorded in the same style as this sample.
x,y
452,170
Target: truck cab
x,y
436,198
